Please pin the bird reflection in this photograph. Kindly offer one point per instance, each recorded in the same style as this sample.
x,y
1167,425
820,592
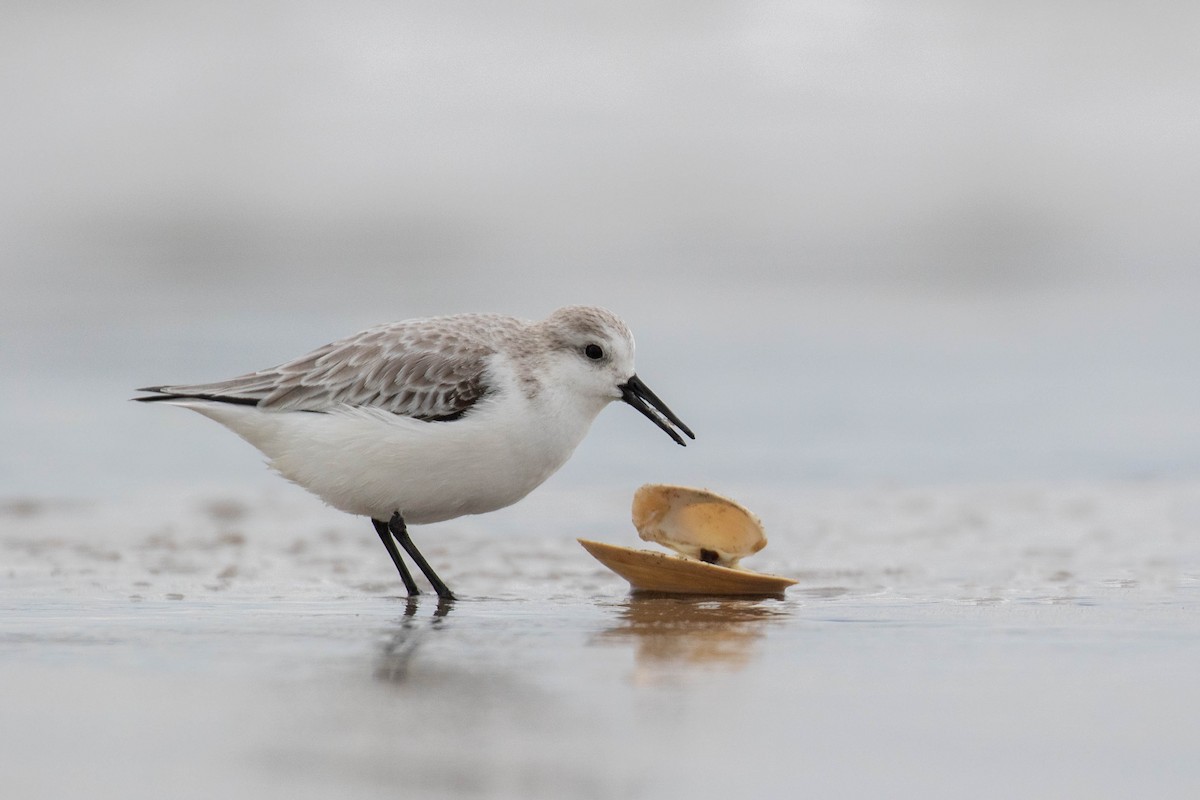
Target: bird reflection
x,y
672,632
398,649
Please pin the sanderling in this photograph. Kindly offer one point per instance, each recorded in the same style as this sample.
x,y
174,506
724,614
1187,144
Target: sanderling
x,y
430,419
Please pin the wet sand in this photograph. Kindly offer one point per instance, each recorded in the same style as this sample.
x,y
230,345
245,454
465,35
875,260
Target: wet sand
x,y
976,642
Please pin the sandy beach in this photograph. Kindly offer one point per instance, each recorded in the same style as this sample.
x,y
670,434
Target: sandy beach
x,y
983,642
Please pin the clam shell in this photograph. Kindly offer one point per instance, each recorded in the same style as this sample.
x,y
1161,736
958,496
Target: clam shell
x,y
648,571
697,523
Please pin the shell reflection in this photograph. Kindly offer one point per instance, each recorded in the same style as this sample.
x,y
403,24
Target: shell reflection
x,y
674,635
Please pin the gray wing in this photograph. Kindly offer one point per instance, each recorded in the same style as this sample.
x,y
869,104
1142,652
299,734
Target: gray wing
x,y
415,369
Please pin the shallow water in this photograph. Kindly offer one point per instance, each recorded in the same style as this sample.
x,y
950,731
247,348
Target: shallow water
x,y
986,642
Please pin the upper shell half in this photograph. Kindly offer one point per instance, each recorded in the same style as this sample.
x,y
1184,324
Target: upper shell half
x,y
697,523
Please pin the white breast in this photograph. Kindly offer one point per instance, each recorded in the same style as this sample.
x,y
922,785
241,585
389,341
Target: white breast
x,y
372,462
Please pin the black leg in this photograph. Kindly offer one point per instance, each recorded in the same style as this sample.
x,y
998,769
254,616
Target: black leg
x,y
385,536
400,531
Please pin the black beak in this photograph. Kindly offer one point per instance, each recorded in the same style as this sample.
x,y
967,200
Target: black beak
x,y
638,395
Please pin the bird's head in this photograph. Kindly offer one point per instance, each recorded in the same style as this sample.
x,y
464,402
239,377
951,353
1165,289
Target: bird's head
x,y
593,352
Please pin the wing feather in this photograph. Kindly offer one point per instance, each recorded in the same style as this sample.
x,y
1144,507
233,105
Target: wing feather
x,y
423,369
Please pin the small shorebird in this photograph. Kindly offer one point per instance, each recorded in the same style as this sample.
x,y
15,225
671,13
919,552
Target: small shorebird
x,y
430,419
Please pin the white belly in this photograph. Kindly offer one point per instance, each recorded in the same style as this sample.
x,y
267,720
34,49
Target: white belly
x,y
374,463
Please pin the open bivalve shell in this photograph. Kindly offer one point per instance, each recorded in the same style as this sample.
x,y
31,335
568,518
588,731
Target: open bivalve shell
x,y
697,523
710,533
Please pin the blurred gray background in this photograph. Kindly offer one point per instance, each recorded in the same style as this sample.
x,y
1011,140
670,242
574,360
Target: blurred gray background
x,y
859,242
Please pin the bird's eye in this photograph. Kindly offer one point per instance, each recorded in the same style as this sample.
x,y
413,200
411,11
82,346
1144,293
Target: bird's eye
x,y
594,352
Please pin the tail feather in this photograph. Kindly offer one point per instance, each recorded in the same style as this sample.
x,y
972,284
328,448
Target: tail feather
x,y
171,393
